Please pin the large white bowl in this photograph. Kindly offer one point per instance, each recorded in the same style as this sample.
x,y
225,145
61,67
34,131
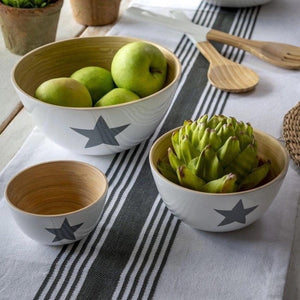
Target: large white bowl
x,y
221,212
92,130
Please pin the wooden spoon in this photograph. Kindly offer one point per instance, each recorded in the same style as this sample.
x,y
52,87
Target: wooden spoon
x,y
225,74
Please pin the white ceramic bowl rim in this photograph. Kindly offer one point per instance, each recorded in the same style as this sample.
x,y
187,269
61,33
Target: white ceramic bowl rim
x,y
100,107
237,3
278,177
63,214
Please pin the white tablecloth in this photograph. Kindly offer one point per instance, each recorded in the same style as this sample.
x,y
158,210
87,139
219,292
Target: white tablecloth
x,y
140,250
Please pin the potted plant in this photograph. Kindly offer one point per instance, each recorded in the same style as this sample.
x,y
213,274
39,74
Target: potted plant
x,y
28,24
95,12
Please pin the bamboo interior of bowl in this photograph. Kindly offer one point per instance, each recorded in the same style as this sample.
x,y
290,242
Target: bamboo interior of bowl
x,y
62,58
56,188
268,149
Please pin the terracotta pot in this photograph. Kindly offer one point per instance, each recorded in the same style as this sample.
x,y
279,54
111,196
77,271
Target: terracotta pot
x,y
95,12
25,29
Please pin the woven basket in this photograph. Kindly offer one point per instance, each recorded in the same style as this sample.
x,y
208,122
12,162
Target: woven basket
x,y
291,133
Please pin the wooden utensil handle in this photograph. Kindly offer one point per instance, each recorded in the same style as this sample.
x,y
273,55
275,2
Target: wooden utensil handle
x,y
235,41
210,52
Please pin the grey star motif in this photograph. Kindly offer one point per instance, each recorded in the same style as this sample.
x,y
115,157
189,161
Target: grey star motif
x,y
101,134
237,214
66,231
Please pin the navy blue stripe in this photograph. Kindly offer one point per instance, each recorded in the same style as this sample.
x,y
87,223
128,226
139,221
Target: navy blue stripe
x,y
164,260
138,254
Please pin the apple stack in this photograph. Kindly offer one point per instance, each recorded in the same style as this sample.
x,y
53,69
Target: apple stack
x,y
138,70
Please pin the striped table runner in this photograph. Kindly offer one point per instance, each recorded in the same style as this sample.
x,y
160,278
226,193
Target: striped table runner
x,y
126,256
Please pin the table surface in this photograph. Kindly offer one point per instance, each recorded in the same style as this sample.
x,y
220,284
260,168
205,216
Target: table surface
x,y
16,124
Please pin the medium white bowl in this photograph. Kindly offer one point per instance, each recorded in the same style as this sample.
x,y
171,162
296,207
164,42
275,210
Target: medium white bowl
x,y
57,202
92,130
221,212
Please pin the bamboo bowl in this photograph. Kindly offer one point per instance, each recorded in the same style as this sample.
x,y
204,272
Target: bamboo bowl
x,y
90,130
221,212
57,202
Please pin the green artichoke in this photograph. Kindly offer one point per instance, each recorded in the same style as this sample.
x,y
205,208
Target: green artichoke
x,y
214,155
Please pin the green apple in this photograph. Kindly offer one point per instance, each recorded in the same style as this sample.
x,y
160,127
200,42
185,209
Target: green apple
x,y
64,91
140,67
97,80
117,96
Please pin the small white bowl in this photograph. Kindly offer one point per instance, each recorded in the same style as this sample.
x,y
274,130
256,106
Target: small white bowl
x,y
237,3
90,130
58,202
221,212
